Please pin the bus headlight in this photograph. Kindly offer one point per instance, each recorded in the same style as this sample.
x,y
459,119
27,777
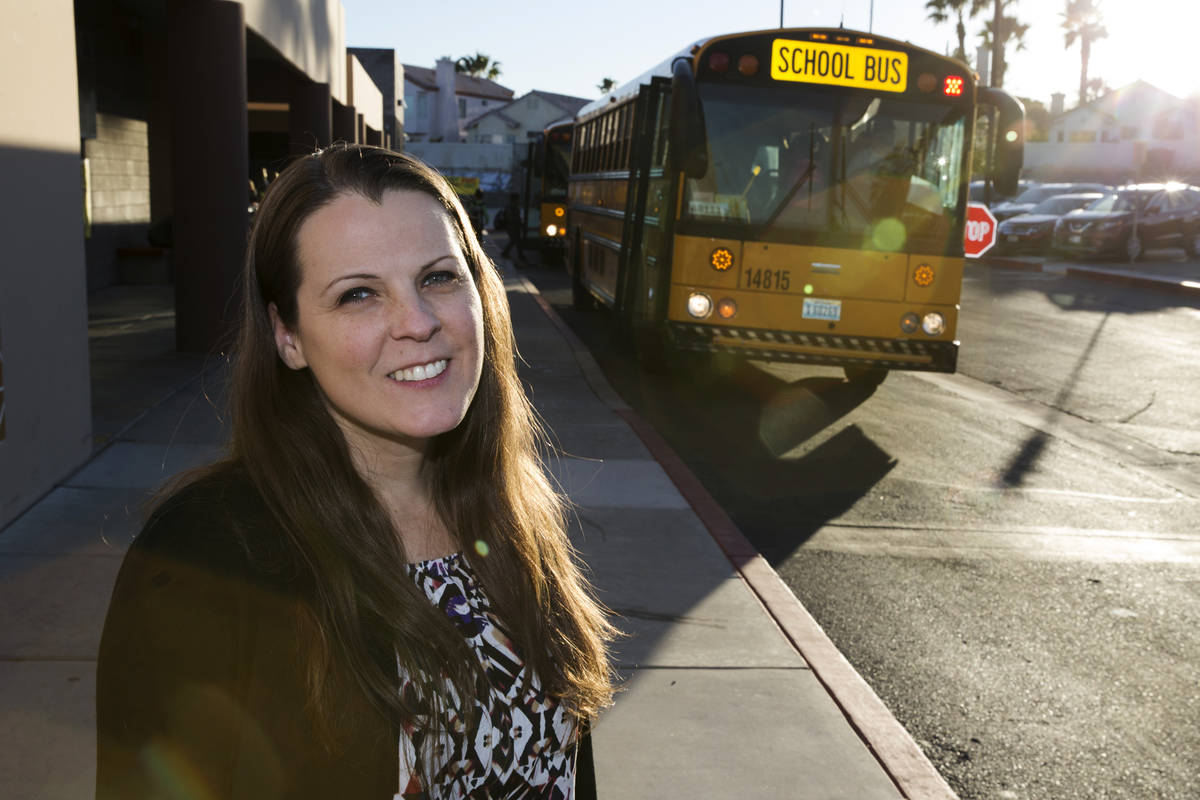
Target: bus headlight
x,y
933,323
910,322
699,305
726,308
551,229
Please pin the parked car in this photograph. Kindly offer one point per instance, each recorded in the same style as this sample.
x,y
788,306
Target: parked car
x,y
1029,198
977,193
1132,220
1033,231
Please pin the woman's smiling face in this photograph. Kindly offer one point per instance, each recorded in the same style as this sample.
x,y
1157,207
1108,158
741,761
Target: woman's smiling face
x,y
388,319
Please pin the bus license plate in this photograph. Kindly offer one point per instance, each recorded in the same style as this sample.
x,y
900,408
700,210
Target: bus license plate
x,y
838,65
822,309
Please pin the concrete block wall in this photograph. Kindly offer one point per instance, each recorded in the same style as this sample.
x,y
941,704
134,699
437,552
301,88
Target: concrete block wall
x,y
119,193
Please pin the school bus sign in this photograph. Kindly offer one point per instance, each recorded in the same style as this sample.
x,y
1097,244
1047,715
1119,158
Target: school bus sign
x,y
838,65
980,234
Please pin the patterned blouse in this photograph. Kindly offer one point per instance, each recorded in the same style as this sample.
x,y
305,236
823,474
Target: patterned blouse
x,y
518,748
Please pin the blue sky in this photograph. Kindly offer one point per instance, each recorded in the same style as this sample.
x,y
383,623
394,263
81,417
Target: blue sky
x,y
568,47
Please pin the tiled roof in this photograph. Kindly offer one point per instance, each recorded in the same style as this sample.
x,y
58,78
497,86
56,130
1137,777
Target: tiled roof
x,y
426,78
570,106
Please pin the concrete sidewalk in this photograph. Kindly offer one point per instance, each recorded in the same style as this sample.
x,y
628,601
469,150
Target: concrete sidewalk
x,y
731,690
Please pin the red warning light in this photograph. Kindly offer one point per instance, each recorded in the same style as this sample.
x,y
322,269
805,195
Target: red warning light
x,y
953,86
748,65
718,62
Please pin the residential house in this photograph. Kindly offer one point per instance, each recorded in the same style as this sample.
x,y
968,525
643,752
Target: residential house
x,y
472,97
528,115
1137,132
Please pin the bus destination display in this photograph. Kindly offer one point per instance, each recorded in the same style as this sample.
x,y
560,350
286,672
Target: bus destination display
x,y
839,65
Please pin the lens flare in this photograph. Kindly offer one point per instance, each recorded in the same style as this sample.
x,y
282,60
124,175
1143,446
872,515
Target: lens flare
x,y
888,235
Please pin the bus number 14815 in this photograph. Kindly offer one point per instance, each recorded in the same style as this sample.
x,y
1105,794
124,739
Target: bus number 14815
x,y
767,279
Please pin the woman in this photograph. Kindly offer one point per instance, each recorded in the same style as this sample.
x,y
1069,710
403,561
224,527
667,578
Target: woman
x,y
373,594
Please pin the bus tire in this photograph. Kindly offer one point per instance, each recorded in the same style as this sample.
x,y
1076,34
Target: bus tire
x,y
865,376
581,298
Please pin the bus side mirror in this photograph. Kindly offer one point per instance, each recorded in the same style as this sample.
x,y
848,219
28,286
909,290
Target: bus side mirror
x,y
1009,144
687,149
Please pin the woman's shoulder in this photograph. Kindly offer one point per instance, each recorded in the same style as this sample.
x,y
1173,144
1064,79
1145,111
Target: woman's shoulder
x,y
218,520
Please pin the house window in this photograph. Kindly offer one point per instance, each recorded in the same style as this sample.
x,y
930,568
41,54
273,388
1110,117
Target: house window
x,y
483,102
462,106
1060,136
1108,135
1082,136
1129,132
1166,128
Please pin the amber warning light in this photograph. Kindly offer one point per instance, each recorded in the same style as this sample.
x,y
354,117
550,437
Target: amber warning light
x,y
953,86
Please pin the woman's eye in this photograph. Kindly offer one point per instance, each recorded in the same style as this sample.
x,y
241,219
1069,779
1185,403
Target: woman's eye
x,y
440,278
354,295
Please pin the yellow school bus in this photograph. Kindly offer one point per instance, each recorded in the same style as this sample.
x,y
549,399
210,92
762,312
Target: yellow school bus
x,y
786,195
551,169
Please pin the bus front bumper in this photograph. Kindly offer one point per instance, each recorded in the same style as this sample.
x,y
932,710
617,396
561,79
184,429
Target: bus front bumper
x,y
926,355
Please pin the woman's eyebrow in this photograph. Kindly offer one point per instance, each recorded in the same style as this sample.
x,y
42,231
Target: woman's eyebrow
x,y
370,276
354,276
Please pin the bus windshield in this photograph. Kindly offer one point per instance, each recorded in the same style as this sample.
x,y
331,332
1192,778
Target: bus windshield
x,y
557,169
837,169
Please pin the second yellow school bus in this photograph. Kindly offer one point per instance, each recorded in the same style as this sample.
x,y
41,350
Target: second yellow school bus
x,y
790,195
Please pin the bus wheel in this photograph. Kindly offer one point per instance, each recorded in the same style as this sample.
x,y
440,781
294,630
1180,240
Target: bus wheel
x,y
865,376
650,348
581,298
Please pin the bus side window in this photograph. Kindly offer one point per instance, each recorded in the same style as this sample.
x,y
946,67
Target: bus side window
x,y
660,146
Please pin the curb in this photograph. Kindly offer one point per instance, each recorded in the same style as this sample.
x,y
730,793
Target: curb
x,y
1180,286
896,751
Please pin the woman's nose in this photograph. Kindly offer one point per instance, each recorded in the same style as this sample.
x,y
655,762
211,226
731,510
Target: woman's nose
x,y
413,318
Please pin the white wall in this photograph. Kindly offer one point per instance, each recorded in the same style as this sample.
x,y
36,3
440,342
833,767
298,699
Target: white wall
x,y
1109,156
309,33
363,94
43,296
464,155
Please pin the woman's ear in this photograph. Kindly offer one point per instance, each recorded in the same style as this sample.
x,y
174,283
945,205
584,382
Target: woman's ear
x,y
286,344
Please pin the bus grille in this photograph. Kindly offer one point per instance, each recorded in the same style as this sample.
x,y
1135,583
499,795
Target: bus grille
x,y
838,350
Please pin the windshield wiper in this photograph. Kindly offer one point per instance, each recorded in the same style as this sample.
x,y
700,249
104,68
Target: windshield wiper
x,y
805,177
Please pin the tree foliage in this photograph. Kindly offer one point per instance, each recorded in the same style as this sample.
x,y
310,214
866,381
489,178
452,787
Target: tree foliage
x,y
1012,31
606,85
1081,21
479,65
963,10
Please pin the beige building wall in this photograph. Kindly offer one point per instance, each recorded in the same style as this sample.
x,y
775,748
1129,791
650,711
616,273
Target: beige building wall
x,y
309,33
363,94
43,300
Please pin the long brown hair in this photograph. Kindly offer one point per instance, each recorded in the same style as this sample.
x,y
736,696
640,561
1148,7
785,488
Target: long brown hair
x,y
486,479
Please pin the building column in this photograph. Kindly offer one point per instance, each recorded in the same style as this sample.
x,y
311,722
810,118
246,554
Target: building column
x,y
310,116
158,120
345,118
210,166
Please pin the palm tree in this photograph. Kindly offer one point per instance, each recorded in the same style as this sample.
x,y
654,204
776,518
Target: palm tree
x,y
606,85
940,10
478,66
1012,31
1081,21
